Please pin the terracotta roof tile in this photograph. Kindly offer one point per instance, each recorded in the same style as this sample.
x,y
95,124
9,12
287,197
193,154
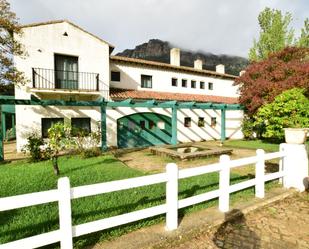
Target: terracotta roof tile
x,y
120,94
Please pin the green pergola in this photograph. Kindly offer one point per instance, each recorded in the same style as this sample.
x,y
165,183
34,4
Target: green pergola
x,y
103,104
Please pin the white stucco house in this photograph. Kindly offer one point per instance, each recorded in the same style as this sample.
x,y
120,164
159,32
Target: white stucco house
x,y
65,62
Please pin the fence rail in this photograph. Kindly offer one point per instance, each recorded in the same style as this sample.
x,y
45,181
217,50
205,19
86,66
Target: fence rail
x,y
65,193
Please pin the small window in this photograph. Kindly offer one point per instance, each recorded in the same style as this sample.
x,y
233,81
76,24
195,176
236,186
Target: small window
x,y
193,84
115,76
201,122
47,123
213,121
80,126
161,125
151,125
202,85
210,86
131,125
174,82
187,122
184,83
142,124
146,81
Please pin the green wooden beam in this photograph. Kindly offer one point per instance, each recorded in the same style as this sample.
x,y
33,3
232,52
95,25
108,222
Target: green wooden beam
x,y
103,127
223,124
1,138
3,126
186,104
174,126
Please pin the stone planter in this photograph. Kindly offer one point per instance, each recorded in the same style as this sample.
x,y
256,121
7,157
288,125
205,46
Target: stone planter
x,y
295,135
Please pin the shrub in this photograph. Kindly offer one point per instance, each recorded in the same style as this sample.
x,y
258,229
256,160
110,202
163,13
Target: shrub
x,y
60,139
289,110
34,146
91,152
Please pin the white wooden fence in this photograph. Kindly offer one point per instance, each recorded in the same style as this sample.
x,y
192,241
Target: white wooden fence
x,y
65,193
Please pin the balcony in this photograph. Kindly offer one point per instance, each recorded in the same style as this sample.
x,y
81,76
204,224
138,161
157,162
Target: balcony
x,y
58,80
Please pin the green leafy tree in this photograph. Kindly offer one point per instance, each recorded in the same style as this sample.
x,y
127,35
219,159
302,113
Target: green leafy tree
x,y
303,40
9,46
60,139
290,109
275,34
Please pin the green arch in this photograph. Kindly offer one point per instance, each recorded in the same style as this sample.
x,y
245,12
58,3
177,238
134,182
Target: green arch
x,y
143,130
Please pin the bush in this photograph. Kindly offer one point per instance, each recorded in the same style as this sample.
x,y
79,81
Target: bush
x,y
34,146
91,152
289,110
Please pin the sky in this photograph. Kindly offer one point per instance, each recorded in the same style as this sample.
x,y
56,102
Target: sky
x,y
216,26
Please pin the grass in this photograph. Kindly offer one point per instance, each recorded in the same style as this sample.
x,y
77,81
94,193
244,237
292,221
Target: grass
x,y
252,144
22,177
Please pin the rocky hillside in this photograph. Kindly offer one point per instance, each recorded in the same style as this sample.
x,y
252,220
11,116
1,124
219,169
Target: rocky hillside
x,y
158,50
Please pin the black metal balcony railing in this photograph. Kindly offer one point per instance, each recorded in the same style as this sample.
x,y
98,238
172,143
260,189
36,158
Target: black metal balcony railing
x,y
66,80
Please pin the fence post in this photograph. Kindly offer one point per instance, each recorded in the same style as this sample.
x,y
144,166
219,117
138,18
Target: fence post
x,y
281,149
172,196
259,174
295,166
224,184
65,218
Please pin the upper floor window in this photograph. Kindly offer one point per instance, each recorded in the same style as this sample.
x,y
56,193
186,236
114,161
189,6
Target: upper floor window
x,y
184,83
193,84
146,81
66,72
174,82
115,76
202,85
210,86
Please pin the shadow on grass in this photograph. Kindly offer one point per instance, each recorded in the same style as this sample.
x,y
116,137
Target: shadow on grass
x,y
93,238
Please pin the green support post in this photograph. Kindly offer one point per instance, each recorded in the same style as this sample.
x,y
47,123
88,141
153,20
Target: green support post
x,y
174,125
103,127
1,137
13,125
3,126
223,136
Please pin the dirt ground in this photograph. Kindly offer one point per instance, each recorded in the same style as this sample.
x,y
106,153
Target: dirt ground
x,y
145,161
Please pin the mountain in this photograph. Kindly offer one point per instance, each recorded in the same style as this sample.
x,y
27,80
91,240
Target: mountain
x,y
157,50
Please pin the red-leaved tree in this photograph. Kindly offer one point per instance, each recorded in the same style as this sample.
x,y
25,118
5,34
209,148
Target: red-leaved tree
x,y
266,79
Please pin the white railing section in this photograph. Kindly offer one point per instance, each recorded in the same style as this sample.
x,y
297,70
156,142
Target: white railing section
x,y
65,193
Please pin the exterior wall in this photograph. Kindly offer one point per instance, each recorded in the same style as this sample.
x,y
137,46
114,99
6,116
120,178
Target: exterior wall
x,y
43,42
184,134
130,78
29,119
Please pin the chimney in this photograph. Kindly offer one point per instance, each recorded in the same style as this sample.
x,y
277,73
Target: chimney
x,y
175,56
220,69
242,72
198,64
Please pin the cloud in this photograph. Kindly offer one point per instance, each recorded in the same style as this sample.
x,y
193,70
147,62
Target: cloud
x,y
215,26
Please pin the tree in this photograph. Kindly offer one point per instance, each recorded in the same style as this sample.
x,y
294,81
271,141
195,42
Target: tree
x,y
266,79
303,40
275,34
290,109
60,139
9,46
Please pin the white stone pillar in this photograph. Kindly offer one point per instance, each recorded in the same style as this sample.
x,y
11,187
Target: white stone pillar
x,y
295,166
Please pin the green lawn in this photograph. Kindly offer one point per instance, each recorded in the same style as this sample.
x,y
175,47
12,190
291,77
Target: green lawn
x,y
252,144
21,177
